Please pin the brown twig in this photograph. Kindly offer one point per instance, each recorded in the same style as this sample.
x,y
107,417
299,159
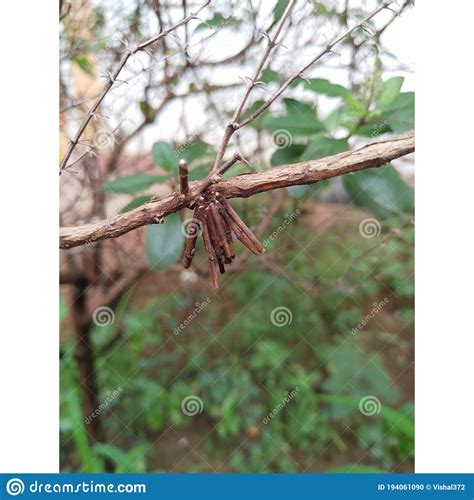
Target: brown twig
x,y
183,177
300,73
112,78
233,125
369,156
239,228
210,254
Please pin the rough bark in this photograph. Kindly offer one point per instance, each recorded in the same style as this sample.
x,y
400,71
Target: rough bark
x,y
370,156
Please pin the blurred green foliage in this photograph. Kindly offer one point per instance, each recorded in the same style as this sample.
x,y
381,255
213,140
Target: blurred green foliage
x,y
241,365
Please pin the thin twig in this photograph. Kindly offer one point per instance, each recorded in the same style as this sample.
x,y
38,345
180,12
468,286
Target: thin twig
x,y
300,72
230,129
112,78
183,177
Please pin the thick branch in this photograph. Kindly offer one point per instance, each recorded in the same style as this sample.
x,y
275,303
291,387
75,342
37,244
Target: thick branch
x,y
369,156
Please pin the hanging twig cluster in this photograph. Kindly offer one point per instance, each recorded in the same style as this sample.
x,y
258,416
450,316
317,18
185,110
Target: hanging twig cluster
x,y
218,223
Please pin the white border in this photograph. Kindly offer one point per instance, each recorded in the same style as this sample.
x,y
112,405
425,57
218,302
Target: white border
x,y
29,424
444,334
29,366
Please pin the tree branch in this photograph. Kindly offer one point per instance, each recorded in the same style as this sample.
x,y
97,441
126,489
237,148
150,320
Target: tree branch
x,y
300,73
231,128
369,156
112,78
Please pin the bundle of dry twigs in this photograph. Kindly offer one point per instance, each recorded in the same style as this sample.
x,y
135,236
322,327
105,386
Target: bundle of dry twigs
x,y
218,223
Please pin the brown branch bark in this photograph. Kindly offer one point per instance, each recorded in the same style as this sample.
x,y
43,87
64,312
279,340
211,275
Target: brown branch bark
x,y
369,156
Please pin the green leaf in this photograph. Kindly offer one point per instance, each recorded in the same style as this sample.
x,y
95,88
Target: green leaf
x,y
268,75
199,173
400,421
164,242
258,123
130,184
279,9
381,190
147,110
294,106
323,86
165,157
295,124
389,91
288,155
193,151
374,127
334,119
82,61
324,146
136,202
89,461
218,21
126,462
400,114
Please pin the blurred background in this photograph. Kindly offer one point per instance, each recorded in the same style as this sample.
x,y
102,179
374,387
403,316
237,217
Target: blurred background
x,y
303,360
